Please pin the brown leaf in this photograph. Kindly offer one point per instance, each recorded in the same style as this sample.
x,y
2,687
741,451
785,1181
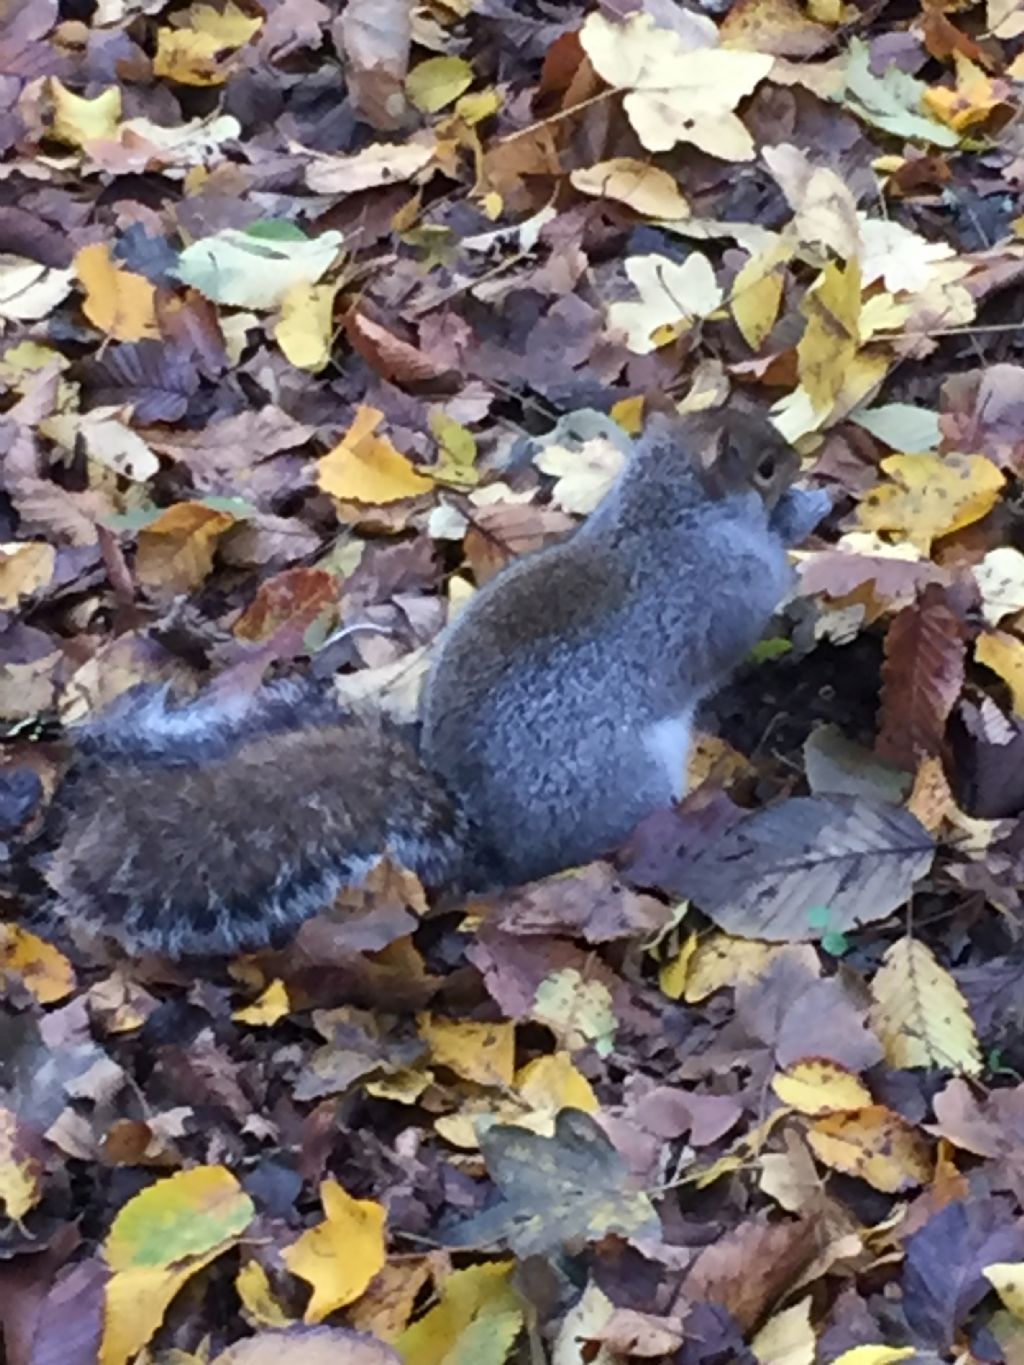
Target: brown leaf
x,y
388,354
291,599
375,36
501,532
922,678
807,866
592,905
747,1269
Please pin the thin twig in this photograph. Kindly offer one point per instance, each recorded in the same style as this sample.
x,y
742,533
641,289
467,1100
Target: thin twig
x,y
559,117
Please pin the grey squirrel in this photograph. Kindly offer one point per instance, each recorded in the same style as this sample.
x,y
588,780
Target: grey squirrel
x,y
557,715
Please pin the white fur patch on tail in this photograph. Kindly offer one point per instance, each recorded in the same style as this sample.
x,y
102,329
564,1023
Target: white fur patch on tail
x,y
668,743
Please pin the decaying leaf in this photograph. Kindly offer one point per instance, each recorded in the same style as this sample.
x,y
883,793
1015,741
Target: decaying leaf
x,y
555,1190
810,863
931,496
820,1087
159,1240
875,1144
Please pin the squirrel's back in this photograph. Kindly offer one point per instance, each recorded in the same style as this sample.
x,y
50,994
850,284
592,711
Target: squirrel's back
x,y
216,827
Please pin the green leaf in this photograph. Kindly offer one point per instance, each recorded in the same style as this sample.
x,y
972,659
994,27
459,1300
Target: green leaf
x,y
766,650
254,270
437,82
891,102
902,426
274,230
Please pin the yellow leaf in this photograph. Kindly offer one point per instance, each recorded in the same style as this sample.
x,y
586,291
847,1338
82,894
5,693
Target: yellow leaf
x,y
918,1013
545,1086
931,496
437,82
159,1240
21,1173
193,54
787,1338
41,968
724,961
818,1086
135,1304
305,328
549,1084
755,306
258,1301
1004,654
364,467
629,413
478,1318
25,567
975,98
1007,1279
231,26
484,1053
77,120
272,1005
457,451
578,1012
756,296
175,552
480,105
875,1355
648,190
832,336
340,1256
117,301
402,1087
874,1144
673,975
188,58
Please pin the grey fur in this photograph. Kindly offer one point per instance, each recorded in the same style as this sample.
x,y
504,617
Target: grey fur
x,y
557,716
547,689
207,828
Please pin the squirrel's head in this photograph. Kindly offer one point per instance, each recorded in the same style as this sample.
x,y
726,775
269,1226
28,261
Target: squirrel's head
x,y
734,451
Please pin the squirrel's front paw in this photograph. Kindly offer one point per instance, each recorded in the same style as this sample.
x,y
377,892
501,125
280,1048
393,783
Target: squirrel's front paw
x,y
798,512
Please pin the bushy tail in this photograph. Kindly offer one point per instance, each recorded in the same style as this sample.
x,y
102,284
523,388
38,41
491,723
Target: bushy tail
x,y
181,833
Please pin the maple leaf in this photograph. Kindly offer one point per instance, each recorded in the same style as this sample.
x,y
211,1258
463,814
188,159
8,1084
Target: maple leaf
x,y
674,94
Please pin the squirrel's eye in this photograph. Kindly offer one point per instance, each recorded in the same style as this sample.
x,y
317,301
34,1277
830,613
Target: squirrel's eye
x,y
766,469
